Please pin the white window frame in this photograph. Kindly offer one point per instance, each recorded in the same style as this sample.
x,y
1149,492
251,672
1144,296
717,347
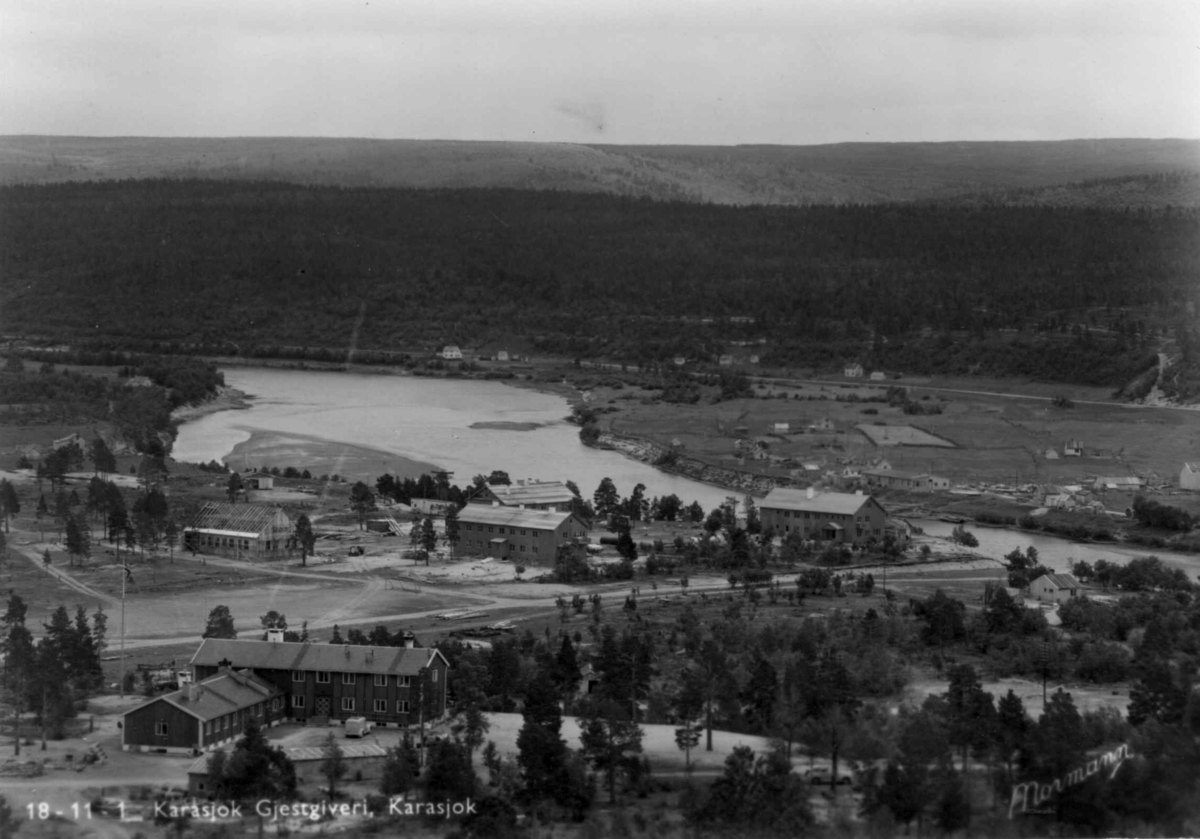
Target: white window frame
x,y
297,700
348,679
298,676
322,677
380,706
404,681
381,680
347,703
160,729
402,706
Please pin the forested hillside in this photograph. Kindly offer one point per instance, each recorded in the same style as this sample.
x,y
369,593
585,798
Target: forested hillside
x,y
843,173
257,268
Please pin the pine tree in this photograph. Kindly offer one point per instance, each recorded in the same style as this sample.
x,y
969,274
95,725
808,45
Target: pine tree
x,y
611,741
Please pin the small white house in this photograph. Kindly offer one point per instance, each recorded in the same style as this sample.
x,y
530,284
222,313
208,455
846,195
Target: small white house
x,y
680,361
1051,454
853,371
754,359
725,360
1189,476
782,427
451,352
1055,588
502,355
258,480
1073,448
878,376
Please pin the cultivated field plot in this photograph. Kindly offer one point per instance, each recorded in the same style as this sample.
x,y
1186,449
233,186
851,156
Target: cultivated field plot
x,y
902,435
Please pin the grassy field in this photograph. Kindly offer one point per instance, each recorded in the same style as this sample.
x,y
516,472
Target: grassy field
x,y
998,438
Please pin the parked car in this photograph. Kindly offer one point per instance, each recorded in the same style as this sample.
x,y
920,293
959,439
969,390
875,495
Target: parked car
x,y
358,727
824,775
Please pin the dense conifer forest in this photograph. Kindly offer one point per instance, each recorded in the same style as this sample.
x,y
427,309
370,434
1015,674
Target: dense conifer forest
x,y
264,268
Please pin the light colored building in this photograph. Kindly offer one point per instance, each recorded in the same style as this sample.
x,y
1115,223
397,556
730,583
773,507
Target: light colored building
x,y
431,506
1189,476
502,355
244,531
1129,483
451,352
878,376
782,428
258,480
897,479
680,361
725,360
827,516
1073,448
853,371
1051,454
1055,588
532,495
516,533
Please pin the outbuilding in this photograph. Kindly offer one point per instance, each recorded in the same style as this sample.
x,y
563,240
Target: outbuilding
x,y
202,715
1189,476
1055,588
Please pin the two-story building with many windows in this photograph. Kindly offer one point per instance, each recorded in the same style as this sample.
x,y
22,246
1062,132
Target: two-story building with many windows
x,y
516,533
338,681
849,518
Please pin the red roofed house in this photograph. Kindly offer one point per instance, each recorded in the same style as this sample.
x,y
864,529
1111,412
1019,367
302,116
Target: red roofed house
x,y
323,681
202,715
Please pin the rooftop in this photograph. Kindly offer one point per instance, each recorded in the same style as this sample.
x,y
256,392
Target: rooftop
x,y
293,655
1063,581
237,519
218,695
296,753
840,503
512,516
547,492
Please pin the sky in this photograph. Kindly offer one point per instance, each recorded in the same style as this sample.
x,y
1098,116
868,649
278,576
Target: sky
x,y
705,72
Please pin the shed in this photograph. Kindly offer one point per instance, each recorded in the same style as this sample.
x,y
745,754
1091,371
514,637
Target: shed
x,y
853,371
259,480
1055,588
1189,476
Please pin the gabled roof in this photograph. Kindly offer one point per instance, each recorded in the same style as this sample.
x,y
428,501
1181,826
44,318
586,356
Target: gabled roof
x,y
838,503
294,753
217,696
1193,466
332,658
237,519
513,516
1062,581
545,492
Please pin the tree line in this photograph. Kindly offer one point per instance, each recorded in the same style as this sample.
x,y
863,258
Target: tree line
x,y
167,266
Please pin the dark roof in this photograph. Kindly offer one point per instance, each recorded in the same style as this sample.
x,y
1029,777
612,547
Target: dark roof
x,y
333,658
238,519
217,696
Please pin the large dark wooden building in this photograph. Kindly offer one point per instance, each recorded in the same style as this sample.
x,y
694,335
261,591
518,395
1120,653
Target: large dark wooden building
x,y
202,715
334,681
242,531
839,517
516,533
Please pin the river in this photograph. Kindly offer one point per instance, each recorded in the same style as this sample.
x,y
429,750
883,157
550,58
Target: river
x,y
1056,554
428,421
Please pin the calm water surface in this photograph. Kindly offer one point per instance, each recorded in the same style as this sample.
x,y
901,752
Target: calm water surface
x,y
427,420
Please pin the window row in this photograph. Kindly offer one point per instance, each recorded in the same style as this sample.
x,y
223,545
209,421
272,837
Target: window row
x,y
324,678
379,706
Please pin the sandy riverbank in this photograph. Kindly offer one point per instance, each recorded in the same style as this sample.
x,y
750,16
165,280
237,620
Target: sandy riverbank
x,y
324,457
225,399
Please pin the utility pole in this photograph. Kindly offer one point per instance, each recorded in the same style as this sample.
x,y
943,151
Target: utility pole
x,y
124,577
